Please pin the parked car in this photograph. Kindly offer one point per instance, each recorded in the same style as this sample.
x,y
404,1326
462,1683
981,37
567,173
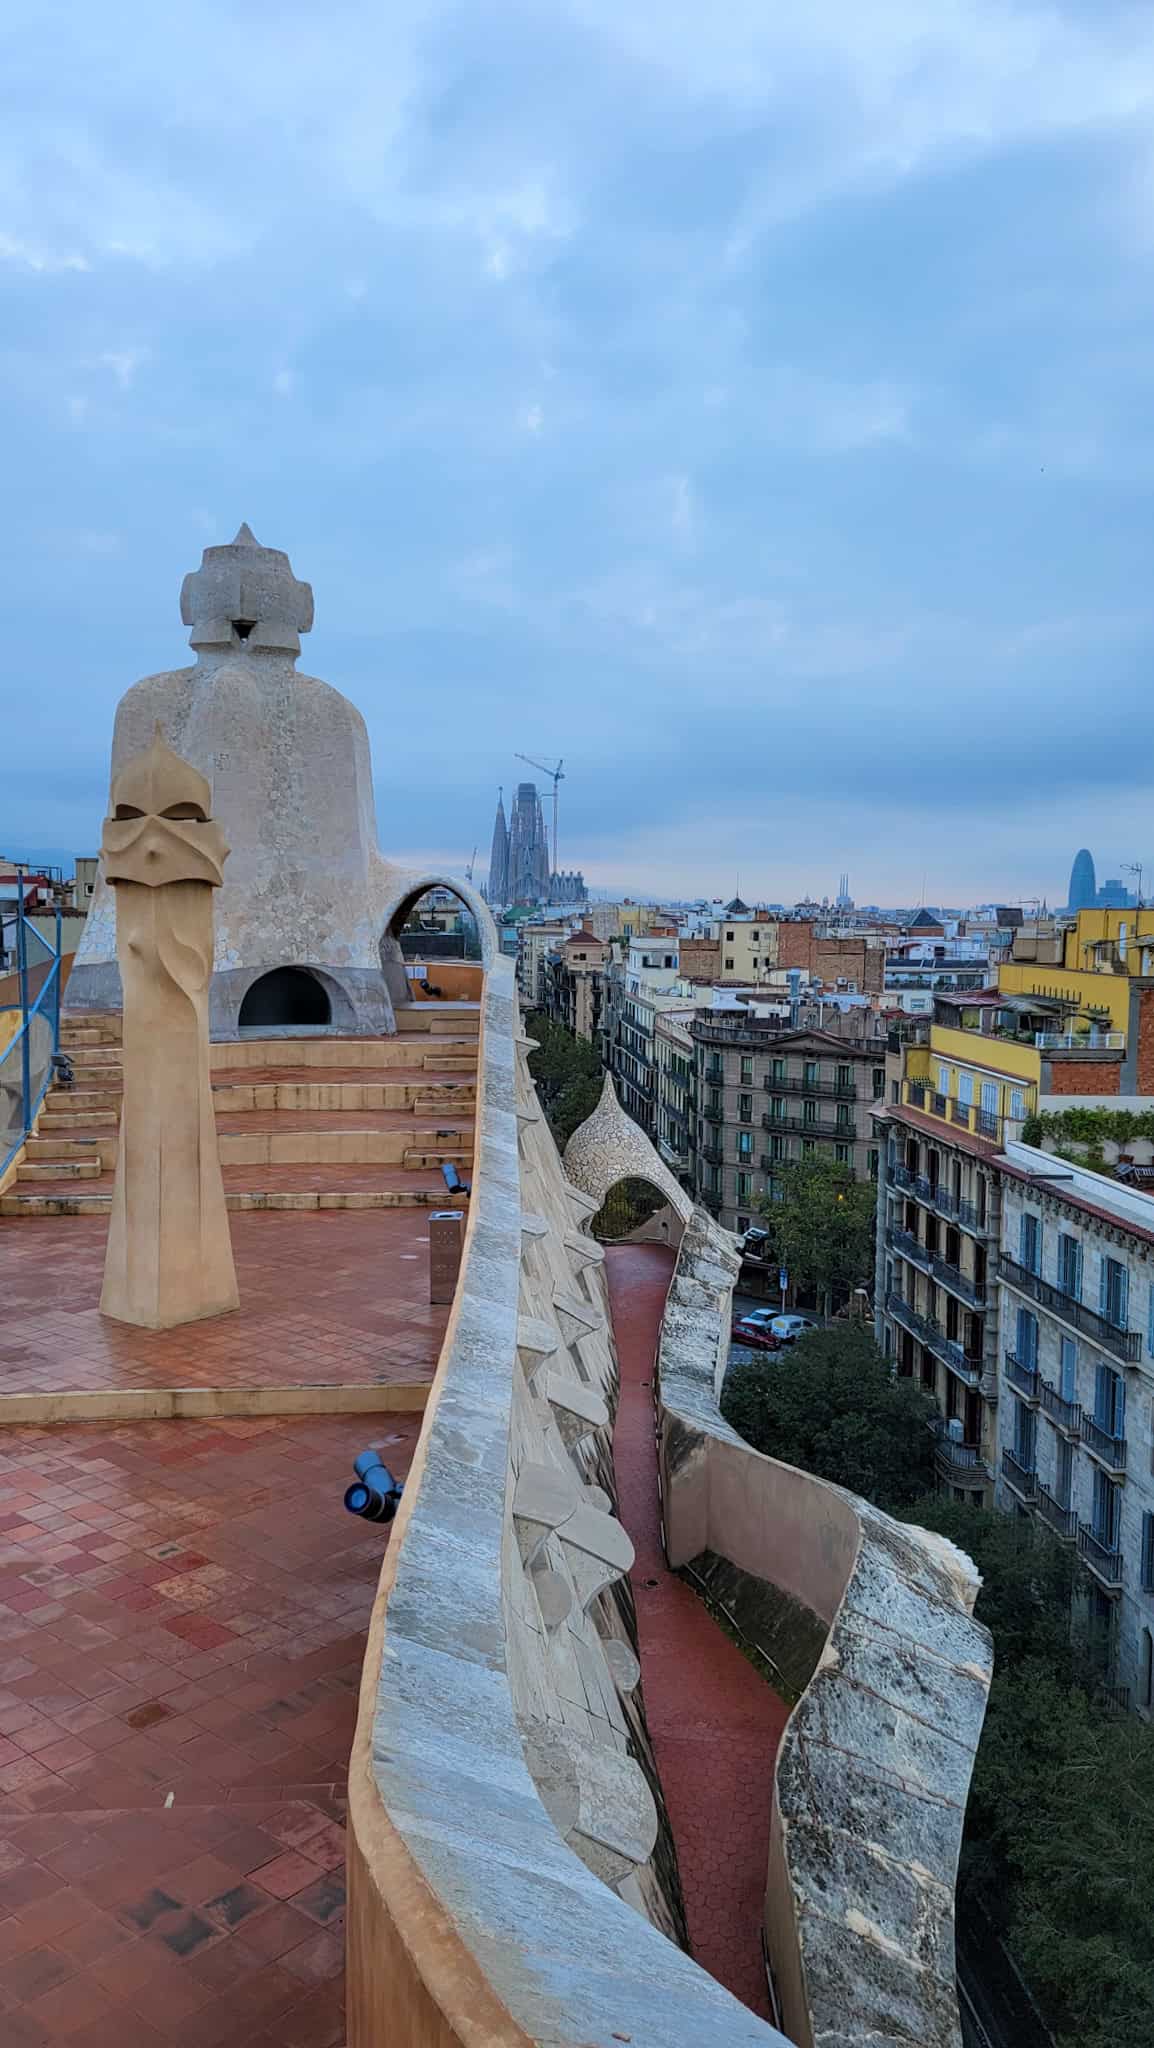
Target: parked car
x,y
764,1316
787,1329
756,1334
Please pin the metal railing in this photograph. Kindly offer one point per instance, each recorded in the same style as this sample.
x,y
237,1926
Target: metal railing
x,y
1062,1520
793,1084
1023,1378
986,1124
711,1199
1125,1344
808,1127
1110,1450
909,1246
959,1283
957,1457
1022,1478
713,1155
1103,1559
939,1104
713,1113
960,1113
26,1064
915,1095
1066,1414
1080,1041
932,1335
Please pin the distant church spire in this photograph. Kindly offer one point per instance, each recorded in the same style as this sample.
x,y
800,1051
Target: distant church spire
x,y
499,856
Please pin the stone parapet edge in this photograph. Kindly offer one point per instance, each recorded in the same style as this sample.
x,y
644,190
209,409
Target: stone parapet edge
x,y
470,1919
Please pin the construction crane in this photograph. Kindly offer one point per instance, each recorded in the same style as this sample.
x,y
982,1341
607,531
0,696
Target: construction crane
x,y
469,869
555,775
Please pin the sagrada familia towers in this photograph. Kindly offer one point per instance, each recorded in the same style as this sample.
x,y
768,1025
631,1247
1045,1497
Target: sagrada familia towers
x,y
519,860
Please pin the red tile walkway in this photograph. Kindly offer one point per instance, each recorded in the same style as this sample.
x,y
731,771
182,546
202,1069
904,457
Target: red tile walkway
x,y
182,1621
330,1298
714,1722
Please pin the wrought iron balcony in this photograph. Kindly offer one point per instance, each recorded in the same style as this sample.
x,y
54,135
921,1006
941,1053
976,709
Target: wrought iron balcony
x,y
959,1283
794,1084
960,1113
770,1165
932,1335
909,1246
1022,1478
963,1461
712,1154
1066,1415
915,1095
1125,1344
1108,1449
1063,1521
805,1127
986,1124
900,1175
1103,1559
713,1113
938,1103
1023,1378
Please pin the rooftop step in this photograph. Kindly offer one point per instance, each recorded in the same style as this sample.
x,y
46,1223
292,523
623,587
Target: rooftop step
x,y
85,1058
53,1147
60,1169
63,1101
63,1119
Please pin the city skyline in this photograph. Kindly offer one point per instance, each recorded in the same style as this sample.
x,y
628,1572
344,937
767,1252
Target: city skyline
x,y
774,428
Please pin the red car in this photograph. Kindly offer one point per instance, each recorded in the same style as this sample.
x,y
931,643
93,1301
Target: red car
x,y
756,1335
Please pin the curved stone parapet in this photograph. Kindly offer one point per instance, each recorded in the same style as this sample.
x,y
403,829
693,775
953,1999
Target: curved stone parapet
x,y
609,1147
874,1767
511,1873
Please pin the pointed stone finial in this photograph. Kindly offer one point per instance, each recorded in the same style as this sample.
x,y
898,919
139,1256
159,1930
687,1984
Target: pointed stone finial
x,y
245,537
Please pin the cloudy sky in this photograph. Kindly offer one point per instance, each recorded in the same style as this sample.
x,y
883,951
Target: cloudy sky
x,y
752,404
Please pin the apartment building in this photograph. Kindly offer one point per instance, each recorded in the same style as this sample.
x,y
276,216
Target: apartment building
x,y
637,989
535,938
573,983
1076,1421
676,1100
769,1092
955,1098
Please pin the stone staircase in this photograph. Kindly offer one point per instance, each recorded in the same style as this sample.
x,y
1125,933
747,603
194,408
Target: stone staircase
x,y
315,1122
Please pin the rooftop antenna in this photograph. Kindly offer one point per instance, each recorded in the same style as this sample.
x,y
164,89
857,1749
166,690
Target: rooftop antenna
x,y
556,775
1134,867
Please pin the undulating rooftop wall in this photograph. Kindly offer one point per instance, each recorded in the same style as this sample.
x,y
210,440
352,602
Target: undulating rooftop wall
x,y
511,1872
872,1620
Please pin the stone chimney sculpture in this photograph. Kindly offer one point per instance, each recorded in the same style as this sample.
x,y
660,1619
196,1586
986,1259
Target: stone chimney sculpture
x,y
169,1257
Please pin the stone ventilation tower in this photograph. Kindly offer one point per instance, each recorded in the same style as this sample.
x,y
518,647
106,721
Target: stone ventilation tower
x,y
499,856
299,917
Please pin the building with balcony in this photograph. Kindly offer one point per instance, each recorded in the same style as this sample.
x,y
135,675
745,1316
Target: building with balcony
x,y
676,1100
1100,965
936,1315
768,1093
955,1096
1076,1281
572,983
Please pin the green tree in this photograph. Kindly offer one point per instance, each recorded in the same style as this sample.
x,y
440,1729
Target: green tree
x,y
567,1072
822,1226
832,1405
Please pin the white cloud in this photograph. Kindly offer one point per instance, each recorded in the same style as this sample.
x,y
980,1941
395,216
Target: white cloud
x,y
532,419
30,256
123,363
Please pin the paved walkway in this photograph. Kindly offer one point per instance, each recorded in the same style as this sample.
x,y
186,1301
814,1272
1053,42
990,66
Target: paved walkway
x,y
335,1298
714,1722
182,1622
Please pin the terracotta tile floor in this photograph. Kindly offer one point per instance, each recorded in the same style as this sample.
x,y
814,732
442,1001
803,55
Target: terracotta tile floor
x,y
330,1298
182,1617
714,1722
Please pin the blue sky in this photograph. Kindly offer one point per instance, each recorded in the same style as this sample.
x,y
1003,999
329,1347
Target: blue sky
x,y
757,411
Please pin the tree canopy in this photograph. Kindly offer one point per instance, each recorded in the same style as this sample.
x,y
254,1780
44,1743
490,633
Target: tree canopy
x,y
831,1404
567,1072
821,1226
